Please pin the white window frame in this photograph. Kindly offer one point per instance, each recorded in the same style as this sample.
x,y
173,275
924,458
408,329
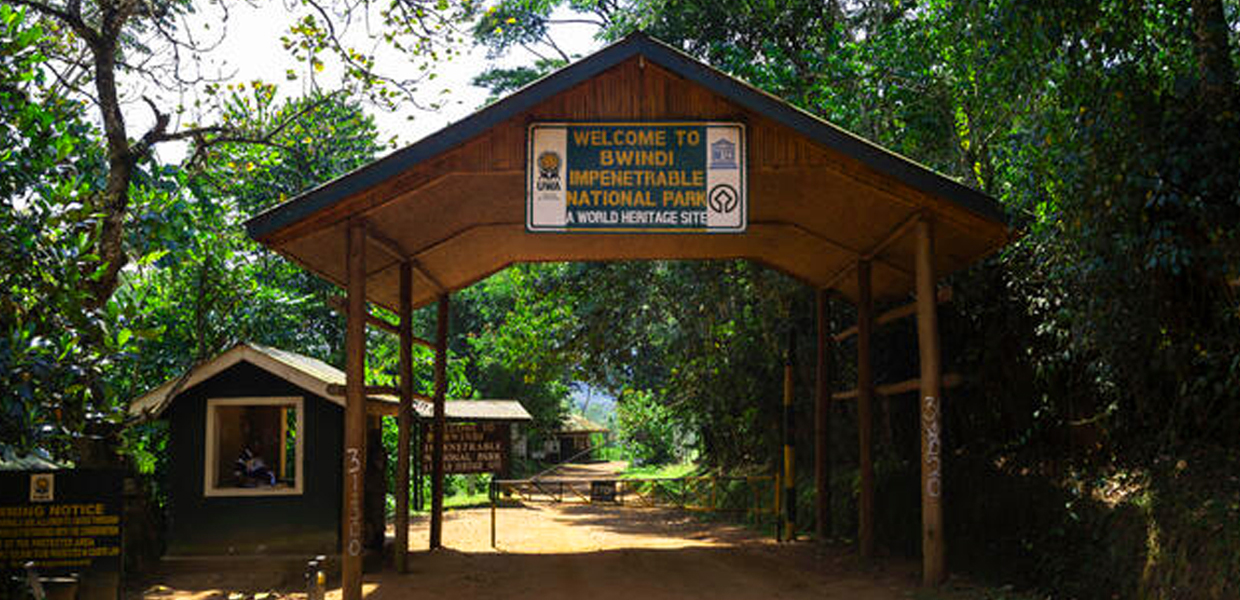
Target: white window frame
x,y
211,452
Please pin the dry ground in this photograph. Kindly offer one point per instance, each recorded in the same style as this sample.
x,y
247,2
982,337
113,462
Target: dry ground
x,y
594,552
591,552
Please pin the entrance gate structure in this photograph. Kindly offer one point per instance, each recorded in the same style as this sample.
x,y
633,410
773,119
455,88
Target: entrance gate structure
x,y
833,210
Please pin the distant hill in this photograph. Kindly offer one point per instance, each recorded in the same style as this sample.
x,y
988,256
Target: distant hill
x,y
595,405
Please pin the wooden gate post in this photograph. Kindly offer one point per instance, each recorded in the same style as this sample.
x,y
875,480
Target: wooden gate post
x,y
405,417
354,416
822,421
790,443
865,396
933,548
437,427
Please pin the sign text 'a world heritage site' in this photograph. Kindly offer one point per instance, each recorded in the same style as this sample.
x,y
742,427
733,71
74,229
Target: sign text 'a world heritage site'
x,y
636,177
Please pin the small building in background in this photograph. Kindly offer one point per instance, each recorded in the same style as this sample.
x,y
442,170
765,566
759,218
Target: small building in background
x,y
255,448
578,439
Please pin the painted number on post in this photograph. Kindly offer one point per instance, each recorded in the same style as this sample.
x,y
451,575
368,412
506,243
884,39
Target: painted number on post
x,y
354,468
930,454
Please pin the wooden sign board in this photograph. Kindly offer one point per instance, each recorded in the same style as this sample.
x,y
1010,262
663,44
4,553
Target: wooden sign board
x,y
602,491
470,447
674,177
66,521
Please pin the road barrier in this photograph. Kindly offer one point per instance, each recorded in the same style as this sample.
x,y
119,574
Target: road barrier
x,y
752,496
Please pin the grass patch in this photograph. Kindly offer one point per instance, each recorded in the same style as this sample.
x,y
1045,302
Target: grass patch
x,y
475,499
659,471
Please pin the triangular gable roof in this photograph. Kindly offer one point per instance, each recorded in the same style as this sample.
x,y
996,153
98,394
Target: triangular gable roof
x,y
316,377
474,410
307,373
821,198
574,423
637,43
35,460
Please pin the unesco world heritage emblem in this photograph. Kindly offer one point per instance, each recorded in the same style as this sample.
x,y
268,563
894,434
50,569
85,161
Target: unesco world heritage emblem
x,y
723,155
723,198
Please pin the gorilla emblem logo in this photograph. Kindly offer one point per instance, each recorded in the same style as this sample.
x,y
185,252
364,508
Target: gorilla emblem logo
x,y
549,165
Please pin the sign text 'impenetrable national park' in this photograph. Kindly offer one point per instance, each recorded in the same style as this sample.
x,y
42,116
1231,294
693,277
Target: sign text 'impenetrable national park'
x,y
636,177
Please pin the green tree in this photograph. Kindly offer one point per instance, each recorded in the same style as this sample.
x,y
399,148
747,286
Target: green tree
x,y
646,428
213,287
56,344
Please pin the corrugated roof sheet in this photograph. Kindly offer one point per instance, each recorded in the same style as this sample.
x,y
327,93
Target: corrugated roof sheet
x,y
475,410
580,424
36,460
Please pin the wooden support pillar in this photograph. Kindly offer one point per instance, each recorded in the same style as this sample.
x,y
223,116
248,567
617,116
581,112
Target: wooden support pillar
x,y
419,496
405,417
790,443
822,420
933,547
354,417
865,397
376,486
437,427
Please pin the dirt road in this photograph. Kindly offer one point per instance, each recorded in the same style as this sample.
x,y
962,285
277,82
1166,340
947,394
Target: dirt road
x,y
592,552
597,552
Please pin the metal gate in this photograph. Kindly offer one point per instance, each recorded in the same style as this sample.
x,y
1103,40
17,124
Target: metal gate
x,y
751,496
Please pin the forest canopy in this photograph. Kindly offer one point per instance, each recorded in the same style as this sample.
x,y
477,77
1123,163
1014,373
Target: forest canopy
x,y
1105,341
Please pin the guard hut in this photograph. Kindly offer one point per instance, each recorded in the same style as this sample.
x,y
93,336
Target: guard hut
x,y
573,439
255,436
607,159
254,445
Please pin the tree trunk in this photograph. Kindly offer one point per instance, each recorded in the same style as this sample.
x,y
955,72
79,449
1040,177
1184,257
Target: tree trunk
x,y
113,201
1213,56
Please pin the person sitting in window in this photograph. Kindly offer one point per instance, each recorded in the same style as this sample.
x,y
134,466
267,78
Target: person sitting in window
x,y
251,471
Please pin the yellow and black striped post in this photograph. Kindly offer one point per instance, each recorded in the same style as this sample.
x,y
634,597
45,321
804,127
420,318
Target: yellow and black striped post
x,y
790,492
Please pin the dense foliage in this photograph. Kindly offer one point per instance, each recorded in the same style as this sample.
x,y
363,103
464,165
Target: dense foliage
x,y
1101,348
56,349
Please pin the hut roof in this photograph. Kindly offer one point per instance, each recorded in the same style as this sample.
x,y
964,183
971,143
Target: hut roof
x,y
579,424
35,460
316,377
475,410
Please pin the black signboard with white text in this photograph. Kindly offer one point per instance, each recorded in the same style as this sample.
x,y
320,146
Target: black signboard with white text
x,y
66,521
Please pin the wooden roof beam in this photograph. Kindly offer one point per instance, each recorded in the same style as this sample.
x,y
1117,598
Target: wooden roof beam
x,y
338,304
896,233
900,312
851,252
336,389
950,380
392,248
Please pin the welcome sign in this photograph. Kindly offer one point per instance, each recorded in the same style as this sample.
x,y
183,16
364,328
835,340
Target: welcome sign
x,y
684,177
469,447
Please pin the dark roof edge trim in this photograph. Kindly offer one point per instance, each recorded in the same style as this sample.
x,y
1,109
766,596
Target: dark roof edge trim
x,y
902,168
296,209
823,132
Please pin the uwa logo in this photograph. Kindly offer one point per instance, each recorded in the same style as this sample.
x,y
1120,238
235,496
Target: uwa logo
x,y
549,164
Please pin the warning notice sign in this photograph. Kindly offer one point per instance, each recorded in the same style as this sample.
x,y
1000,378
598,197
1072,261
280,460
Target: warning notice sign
x,y
636,177
62,521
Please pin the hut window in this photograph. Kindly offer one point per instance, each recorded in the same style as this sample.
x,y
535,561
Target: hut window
x,y
254,446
